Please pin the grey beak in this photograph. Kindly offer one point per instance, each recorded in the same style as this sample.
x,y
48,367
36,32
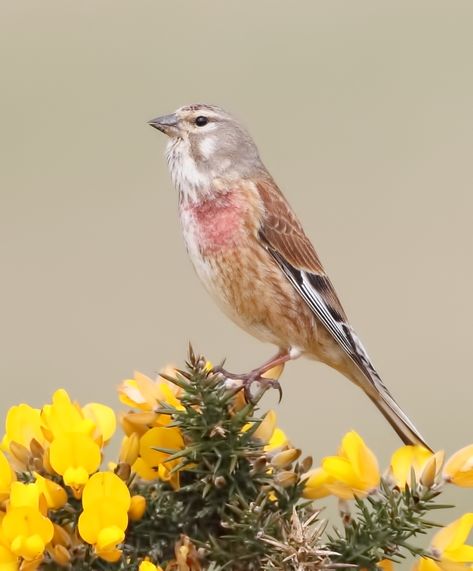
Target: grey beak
x,y
167,123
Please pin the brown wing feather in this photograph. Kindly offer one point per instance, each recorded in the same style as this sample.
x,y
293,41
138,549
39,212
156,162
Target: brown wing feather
x,y
284,233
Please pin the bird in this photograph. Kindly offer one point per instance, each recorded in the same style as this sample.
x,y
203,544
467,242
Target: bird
x,y
250,251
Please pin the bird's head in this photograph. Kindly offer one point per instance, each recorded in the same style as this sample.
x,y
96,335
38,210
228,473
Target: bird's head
x,y
206,142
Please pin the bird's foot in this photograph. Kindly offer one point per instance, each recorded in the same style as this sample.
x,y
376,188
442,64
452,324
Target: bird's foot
x,y
245,382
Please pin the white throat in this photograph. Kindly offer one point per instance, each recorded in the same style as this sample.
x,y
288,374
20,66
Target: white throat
x,y
191,182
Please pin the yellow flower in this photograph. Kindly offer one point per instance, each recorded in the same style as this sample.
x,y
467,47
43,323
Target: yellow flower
x,y
137,508
416,458
26,532
7,477
145,394
448,546
130,449
22,425
459,467
106,501
74,455
154,461
54,494
266,427
137,422
25,495
316,484
39,495
268,433
354,471
385,565
103,418
64,416
278,440
106,486
8,560
148,566
103,526
449,542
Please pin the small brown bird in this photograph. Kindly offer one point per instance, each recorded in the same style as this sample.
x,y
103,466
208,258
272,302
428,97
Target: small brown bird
x,y
251,253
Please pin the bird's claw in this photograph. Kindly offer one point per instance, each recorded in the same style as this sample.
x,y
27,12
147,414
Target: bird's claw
x,y
247,380
265,385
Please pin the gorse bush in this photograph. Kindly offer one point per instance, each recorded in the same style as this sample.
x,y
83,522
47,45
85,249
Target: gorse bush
x,y
205,481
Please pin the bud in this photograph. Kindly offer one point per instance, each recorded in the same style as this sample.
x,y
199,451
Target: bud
x,y
36,464
431,469
36,448
137,507
220,482
61,537
266,427
285,458
306,464
285,479
30,565
20,453
259,465
46,463
130,449
60,555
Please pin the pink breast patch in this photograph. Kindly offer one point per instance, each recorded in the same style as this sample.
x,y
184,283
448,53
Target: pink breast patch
x,y
218,222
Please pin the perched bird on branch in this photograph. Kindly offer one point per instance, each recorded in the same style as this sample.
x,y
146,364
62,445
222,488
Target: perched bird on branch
x,y
253,256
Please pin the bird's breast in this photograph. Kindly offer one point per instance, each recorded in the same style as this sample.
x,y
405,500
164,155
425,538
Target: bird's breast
x,y
215,232
214,225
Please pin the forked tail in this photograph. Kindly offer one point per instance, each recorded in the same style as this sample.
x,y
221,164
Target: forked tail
x,y
395,415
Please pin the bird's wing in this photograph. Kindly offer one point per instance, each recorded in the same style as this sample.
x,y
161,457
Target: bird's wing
x,y
282,235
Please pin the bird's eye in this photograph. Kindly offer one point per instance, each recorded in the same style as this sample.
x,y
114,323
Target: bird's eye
x,y
200,121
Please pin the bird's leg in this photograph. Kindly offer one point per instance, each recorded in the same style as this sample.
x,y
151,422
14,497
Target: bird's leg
x,y
256,375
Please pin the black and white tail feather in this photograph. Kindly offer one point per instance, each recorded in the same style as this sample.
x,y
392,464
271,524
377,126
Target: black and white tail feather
x,y
311,286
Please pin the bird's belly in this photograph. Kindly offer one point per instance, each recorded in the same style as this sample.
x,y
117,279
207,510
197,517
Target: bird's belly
x,y
250,289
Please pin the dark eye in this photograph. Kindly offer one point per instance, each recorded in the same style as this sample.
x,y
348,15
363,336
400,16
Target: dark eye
x,y
200,121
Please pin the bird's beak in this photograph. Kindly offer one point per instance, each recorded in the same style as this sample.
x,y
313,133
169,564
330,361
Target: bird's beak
x,y
167,124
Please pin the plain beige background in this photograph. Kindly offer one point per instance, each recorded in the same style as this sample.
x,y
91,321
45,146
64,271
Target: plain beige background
x,y
363,112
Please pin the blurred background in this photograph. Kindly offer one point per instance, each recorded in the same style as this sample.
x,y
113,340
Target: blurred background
x,y
362,112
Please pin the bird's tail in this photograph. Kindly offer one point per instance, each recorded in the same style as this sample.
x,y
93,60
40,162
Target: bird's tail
x,y
394,414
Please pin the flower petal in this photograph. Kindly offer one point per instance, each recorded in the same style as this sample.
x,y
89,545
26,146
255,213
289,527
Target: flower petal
x,y
454,535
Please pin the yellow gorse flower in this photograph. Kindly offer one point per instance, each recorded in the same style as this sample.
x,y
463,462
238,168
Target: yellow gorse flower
x,y
153,463
316,484
413,458
75,456
103,418
22,425
459,467
25,529
130,449
448,546
8,559
137,507
148,566
269,433
62,416
143,393
353,472
54,495
7,477
106,501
